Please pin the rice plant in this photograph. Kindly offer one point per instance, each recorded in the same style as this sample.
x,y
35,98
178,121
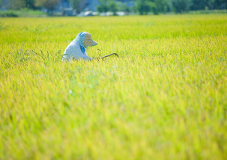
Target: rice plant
x,y
163,98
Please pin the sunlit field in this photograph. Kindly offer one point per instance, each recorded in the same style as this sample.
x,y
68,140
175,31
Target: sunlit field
x,y
163,98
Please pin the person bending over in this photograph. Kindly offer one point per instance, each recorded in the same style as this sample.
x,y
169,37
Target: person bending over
x,y
76,49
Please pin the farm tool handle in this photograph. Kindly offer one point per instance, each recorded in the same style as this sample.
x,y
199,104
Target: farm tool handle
x,y
110,55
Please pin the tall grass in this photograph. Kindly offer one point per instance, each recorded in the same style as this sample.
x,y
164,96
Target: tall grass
x,y
164,98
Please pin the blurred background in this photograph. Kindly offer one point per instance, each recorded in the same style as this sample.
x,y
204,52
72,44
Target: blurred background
x,y
42,8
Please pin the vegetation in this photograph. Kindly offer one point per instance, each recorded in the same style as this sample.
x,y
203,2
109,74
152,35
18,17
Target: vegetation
x,y
19,4
113,8
22,13
181,5
48,4
8,14
164,98
141,6
76,5
104,6
178,6
144,7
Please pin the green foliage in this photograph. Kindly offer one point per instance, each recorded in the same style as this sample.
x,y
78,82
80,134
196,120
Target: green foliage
x,y
144,6
178,6
124,7
48,4
22,13
20,4
220,4
75,5
8,14
17,4
155,6
181,6
104,6
113,7
202,4
160,6
30,4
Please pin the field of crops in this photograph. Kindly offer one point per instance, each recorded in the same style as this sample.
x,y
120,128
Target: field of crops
x,y
164,98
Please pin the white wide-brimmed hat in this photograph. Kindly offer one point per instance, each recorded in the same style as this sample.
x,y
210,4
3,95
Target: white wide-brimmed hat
x,y
88,40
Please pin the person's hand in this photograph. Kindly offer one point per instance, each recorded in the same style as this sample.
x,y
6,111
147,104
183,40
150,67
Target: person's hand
x,y
97,58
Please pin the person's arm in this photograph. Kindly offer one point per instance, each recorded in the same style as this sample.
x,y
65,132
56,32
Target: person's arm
x,y
77,54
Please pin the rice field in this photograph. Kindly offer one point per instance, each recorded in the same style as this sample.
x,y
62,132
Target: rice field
x,y
164,98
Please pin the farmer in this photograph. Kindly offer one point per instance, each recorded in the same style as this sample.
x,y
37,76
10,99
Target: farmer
x,y
76,49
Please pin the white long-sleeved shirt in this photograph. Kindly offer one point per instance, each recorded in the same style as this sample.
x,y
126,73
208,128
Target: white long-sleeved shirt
x,y
73,51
